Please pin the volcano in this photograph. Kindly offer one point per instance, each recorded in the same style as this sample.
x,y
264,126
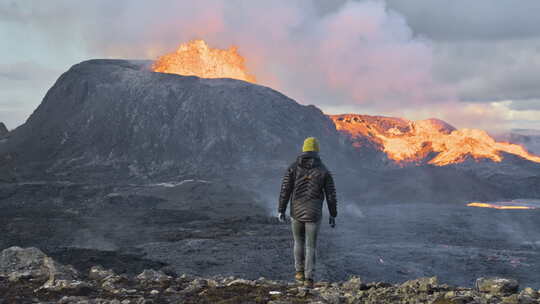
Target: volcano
x,y
119,121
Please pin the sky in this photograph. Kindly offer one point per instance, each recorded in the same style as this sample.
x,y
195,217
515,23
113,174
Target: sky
x,y
475,64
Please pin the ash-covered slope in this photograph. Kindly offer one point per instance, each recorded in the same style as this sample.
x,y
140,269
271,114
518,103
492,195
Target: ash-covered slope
x,y
6,171
3,130
119,119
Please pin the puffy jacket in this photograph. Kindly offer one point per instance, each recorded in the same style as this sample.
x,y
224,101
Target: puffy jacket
x,y
308,182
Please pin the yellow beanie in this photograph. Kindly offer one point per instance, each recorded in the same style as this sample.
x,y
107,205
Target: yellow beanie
x,y
311,144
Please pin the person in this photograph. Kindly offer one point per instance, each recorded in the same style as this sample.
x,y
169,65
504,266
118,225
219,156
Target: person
x,y
306,184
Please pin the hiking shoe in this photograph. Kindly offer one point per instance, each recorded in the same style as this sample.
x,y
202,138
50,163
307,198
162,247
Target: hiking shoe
x,y
308,283
299,276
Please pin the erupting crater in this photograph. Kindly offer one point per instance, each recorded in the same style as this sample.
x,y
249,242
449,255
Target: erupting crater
x,y
433,141
404,141
196,58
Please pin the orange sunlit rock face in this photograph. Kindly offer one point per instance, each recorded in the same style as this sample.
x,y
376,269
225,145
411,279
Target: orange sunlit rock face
x,y
406,141
503,207
196,58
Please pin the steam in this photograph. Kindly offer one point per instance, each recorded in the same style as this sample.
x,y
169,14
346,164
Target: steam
x,y
361,54
359,57
353,210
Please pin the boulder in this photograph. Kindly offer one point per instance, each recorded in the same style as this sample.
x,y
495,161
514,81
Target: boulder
x,y
242,282
529,292
496,285
23,264
422,284
513,299
107,279
524,299
99,273
354,284
153,278
64,285
195,286
32,265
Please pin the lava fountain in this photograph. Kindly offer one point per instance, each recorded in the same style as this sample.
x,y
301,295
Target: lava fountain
x,y
196,58
404,141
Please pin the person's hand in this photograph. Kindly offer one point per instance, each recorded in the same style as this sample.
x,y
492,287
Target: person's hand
x,y
332,222
281,217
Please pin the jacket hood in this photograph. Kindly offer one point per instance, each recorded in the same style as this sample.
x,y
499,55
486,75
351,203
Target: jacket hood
x,y
308,160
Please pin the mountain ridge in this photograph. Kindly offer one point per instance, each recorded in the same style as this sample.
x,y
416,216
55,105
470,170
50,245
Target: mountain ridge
x,y
3,130
429,141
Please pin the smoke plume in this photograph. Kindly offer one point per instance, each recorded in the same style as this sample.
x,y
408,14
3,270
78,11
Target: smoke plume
x,y
354,56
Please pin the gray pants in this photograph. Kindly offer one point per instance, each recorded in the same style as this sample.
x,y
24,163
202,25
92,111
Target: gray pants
x,y
305,244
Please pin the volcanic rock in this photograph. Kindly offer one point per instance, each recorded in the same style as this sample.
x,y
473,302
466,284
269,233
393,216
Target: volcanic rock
x,y
422,284
242,281
99,273
496,285
154,278
107,279
354,283
32,265
189,289
529,292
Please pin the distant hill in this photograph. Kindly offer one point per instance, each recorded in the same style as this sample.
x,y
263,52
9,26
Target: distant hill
x,y
430,141
3,130
529,138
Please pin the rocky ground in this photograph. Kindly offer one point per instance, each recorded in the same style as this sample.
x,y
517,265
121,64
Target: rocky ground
x,y
27,275
134,170
209,228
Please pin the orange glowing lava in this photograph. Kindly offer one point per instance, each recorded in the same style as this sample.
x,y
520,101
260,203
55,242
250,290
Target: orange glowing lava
x,y
433,140
503,207
198,59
